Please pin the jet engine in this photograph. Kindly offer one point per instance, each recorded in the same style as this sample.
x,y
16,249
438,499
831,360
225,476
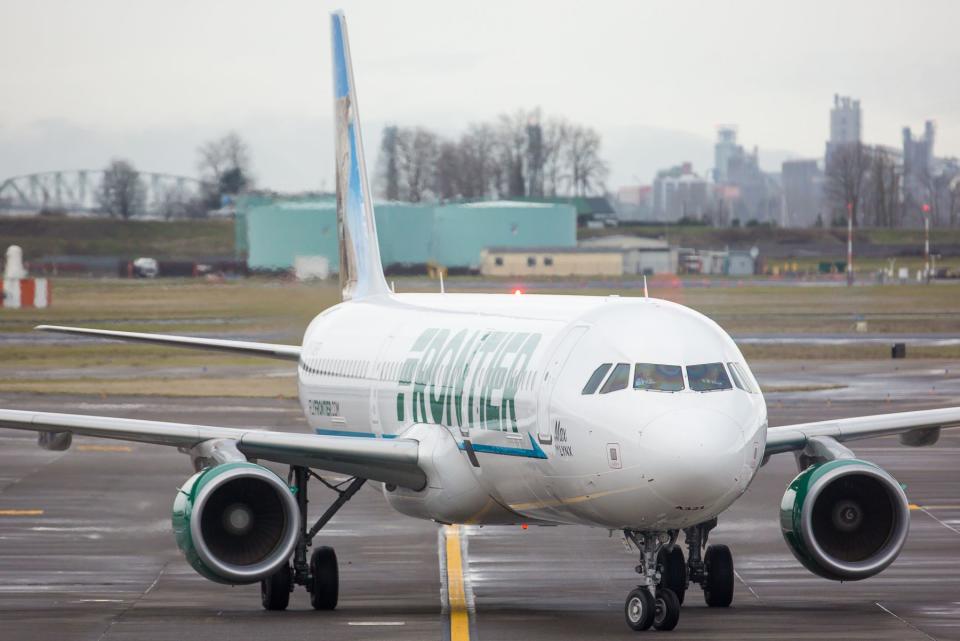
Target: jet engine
x,y
845,519
236,522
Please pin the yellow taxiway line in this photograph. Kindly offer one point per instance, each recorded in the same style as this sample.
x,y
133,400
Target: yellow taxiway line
x,y
21,512
104,448
456,592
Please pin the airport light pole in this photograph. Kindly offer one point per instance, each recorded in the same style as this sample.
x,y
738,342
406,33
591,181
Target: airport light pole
x,y
926,242
849,244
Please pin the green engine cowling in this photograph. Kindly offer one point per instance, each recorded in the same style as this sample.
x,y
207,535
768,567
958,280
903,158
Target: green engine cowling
x,y
845,519
236,523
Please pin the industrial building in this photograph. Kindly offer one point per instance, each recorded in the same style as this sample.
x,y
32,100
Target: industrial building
x,y
727,262
647,256
271,234
551,261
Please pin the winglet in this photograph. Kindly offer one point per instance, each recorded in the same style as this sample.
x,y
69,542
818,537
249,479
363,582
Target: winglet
x,y
361,272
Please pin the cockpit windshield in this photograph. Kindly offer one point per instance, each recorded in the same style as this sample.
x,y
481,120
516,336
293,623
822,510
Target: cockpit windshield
x,y
596,378
708,377
658,378
618,380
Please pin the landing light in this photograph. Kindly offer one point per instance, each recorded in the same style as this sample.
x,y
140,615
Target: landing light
x,y
517,292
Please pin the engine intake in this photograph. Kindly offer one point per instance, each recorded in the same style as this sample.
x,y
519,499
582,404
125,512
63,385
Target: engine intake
x,y
236,523
845,519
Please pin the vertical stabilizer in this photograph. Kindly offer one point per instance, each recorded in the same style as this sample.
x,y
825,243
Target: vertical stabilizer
x,y
361,273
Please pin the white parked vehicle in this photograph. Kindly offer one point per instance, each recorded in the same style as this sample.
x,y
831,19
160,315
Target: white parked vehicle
x,y
146,267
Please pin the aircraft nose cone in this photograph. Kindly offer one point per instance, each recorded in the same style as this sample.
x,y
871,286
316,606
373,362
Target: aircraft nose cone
x,y
696,457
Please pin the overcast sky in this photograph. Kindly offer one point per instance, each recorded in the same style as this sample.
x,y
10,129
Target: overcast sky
x,y
150,80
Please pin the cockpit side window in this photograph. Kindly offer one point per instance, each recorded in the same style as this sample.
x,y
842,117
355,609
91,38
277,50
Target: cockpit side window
x,y
596,378
708,377
658,378
735,375
618,380
741,379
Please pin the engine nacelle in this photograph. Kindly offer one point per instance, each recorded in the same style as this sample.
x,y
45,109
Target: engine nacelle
x,y
845,519
453,493
236,522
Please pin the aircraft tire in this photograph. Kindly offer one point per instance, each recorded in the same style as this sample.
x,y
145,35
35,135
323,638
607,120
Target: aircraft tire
x,y
275,590
718,587
639,609
666,610
324,579
673,570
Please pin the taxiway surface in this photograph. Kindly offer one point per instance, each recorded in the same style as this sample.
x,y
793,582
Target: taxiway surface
x,y
86,550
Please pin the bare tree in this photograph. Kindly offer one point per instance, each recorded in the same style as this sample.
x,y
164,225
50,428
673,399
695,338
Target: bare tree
x,y
175,202
519,154
556,137
846,168
478,148
882,194
450,174
388,170
224,163
122,192
954,200
587,169
417,153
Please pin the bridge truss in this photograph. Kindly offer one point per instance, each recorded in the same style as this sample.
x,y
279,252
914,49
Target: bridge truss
x,y
77,192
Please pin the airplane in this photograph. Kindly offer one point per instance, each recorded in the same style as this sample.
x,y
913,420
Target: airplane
x,y
624,413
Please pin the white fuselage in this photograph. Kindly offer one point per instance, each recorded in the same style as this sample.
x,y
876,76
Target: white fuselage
x,y
503,376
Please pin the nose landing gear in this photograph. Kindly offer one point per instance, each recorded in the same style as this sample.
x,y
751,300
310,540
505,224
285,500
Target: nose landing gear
x,y
653,602
666,575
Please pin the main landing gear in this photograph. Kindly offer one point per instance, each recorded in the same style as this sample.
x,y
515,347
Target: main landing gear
x,y
666,575
321,575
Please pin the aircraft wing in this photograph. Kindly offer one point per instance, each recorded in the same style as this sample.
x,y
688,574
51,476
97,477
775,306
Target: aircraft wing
x,y
915,429
387,460
271,350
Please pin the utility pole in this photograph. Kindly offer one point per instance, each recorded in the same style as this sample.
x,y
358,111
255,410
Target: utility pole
x,y
926,242
849,244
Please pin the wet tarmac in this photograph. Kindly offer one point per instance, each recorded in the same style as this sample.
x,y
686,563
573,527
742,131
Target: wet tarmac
x,y
86,550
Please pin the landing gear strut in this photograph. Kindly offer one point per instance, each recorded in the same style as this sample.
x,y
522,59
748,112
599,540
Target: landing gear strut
x,y
653,602
321,575
714,570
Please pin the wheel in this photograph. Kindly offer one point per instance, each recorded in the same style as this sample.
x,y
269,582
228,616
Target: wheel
x,y
639,609
718,584
673,570
324,579
275,590
666,610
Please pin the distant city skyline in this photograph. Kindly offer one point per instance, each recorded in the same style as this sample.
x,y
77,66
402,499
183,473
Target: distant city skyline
x,y
150,81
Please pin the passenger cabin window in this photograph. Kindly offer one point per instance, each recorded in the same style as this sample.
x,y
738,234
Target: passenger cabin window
x,y
658,378
618,380
596,378
531,261
741,379
708,377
